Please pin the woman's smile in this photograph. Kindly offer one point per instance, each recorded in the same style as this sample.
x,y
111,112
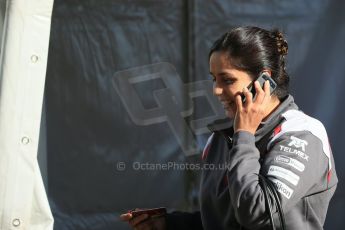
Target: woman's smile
x,y
227,104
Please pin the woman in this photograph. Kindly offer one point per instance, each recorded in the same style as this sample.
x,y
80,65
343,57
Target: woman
x,y
267,135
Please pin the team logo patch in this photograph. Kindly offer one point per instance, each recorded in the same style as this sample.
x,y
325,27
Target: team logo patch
x,y
284,174
282,188
298,143
290,161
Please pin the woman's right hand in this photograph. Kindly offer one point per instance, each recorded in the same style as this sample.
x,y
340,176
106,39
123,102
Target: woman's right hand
x,y
144,221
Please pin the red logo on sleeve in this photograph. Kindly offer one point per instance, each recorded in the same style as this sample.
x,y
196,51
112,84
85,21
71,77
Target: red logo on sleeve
x,y
277,130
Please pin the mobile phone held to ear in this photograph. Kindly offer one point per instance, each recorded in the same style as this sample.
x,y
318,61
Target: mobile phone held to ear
x,y
153,212
261,79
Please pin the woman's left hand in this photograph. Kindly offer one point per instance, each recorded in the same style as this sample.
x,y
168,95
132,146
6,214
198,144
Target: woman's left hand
x,y
250,114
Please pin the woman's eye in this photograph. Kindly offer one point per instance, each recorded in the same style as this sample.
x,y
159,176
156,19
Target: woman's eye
x,y
228,81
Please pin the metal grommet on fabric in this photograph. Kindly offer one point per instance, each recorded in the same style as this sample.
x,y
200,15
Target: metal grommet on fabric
x,y
25,140
34,58
16,222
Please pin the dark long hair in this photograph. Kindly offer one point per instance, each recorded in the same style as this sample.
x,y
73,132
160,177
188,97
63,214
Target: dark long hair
x,y
253,49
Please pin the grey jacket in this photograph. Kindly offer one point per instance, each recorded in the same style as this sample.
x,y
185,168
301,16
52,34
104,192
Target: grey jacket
x,y
291,149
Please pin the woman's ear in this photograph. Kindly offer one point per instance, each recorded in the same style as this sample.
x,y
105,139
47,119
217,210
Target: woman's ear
x,y
268,72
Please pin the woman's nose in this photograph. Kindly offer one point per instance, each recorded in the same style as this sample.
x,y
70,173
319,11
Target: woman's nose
x,y
217,91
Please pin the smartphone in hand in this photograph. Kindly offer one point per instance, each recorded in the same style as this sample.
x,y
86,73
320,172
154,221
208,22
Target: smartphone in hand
x,y
261,79
153,212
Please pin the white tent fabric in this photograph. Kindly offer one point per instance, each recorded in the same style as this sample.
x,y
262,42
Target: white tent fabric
x,y
23,201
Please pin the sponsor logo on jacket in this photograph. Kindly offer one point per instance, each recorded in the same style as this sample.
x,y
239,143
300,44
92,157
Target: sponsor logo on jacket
x,y
294,151
284,174
290,162
298,143
282,188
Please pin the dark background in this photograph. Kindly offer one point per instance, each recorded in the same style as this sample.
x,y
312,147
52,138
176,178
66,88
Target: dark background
x,y
86,128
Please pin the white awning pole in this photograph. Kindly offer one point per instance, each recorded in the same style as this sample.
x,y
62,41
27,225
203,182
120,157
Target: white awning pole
x,y
23,201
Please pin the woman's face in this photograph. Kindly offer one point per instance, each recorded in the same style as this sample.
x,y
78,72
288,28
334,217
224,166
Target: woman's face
x,y
228,81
